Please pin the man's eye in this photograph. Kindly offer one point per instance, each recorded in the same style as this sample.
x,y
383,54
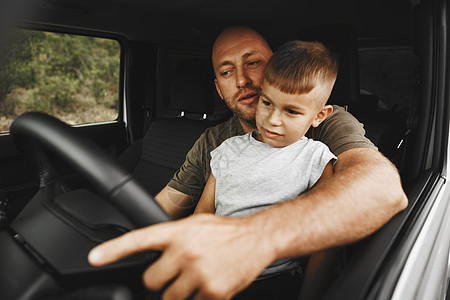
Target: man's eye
x,y
266,103
253,63
225,73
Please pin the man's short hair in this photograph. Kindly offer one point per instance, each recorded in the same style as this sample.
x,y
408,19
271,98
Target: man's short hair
x,y
297,67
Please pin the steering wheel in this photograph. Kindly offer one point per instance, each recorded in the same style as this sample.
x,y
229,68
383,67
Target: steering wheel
x,y
32,132
44,250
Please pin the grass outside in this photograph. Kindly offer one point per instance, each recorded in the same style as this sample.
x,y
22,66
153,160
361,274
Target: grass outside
x,y
83,110
82,116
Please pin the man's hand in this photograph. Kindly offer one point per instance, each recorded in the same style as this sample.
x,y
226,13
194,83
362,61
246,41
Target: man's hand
x,y
203,255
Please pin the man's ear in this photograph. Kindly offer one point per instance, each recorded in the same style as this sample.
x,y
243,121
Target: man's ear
x,y
218,88
324,113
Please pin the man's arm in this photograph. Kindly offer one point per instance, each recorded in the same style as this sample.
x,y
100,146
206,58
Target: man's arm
x,y
175,203
216,257
363,195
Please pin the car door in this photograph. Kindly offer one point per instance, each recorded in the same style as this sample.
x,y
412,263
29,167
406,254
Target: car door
x,y
408,258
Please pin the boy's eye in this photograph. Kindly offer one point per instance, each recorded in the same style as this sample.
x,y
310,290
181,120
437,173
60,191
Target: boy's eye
x,y
292,112
266,103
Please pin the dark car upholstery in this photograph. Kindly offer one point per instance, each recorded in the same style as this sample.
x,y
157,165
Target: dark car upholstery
x,y
154,159
384,128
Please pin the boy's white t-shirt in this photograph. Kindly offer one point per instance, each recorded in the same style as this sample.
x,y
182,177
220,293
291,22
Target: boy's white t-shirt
x,y
252,175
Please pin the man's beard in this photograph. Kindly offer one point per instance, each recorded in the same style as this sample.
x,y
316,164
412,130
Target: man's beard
x,y
245,117
245,113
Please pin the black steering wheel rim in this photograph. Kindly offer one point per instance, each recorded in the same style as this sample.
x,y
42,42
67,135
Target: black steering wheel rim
x,y
32,132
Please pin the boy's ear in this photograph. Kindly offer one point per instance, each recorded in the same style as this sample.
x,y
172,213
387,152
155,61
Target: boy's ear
x,y
322,115
218,88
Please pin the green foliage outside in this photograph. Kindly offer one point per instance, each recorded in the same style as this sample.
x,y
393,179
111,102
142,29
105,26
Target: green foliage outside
x,y
59,74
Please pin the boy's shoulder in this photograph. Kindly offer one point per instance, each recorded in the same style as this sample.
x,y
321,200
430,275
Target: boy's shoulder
x,y
310,142
213,136
237,140
309,145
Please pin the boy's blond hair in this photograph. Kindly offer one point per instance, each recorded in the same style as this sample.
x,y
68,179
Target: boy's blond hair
x,y
297,67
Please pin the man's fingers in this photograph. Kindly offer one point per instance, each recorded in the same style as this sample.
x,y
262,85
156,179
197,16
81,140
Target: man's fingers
x,y
183,287
134,241
162,271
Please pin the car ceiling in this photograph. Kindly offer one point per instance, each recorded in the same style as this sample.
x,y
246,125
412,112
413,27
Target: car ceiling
x,y
201,20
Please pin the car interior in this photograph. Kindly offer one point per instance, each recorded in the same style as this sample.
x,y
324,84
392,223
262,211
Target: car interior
x,y
54,172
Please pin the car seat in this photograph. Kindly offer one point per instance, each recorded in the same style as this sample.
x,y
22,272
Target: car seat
x,y
384,128
191,98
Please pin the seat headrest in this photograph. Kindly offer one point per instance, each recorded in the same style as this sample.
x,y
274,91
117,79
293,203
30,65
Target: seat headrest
x,y
192,88
341,40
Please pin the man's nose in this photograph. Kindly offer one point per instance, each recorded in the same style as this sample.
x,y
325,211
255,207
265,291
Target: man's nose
x,y
275,118
242,78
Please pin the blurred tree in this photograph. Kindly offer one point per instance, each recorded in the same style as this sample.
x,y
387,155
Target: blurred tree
x,y
57,70
15,61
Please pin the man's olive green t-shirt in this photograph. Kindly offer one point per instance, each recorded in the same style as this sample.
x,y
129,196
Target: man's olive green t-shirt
x,y
340,132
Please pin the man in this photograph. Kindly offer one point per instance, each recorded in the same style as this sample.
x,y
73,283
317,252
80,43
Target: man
x,y
215,257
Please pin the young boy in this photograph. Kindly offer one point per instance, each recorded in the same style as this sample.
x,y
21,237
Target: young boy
x,y
278,161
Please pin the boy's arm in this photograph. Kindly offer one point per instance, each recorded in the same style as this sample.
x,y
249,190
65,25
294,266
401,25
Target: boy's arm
x,y
206,203
327,173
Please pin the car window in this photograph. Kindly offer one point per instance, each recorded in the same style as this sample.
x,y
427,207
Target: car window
x,y
73,77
